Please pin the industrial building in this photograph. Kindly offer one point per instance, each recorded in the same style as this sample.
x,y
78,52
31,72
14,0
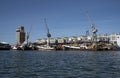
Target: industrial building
x,y
20,35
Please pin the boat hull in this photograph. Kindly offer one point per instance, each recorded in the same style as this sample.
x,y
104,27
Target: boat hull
x,y
4,46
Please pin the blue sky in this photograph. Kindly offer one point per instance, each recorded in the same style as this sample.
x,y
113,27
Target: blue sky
x,y
64,17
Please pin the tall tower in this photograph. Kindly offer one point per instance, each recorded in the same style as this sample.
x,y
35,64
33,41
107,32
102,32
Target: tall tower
x,y
20,35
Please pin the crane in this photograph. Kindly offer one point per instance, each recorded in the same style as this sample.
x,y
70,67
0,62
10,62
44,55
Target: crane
x,y
87,32
28,34
48,33
94,30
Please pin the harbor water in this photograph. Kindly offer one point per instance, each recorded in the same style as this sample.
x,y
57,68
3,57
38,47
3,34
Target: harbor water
x,y
59,64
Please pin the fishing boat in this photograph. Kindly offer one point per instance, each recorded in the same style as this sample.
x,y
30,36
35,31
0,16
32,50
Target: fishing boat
x,y
5,46
72,47
67,47
45,47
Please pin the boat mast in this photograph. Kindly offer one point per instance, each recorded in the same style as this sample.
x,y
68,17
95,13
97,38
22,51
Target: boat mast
x,y
48,33
94,30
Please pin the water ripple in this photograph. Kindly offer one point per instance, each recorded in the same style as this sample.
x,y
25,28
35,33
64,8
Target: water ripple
x,y
59,64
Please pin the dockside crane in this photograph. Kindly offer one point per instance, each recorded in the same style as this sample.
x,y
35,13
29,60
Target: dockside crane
x,y
94,30
48,33
87,33
28,34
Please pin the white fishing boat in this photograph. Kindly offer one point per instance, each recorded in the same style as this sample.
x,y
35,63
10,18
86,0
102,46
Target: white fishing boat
x,y
45,47
69,47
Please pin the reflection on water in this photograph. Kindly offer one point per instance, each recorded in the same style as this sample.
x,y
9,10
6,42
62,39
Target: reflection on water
x,y
59,64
